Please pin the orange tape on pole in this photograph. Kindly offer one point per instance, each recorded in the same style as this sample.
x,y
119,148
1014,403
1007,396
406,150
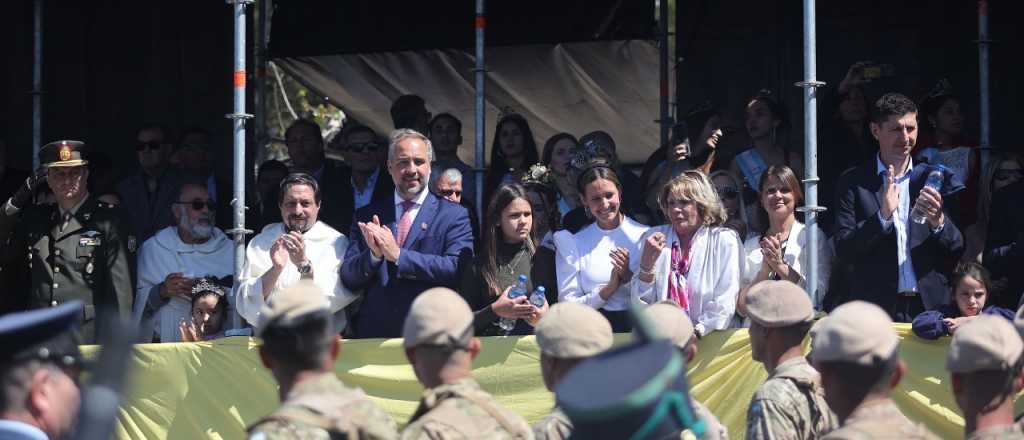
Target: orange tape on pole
x,y
481,22
239,78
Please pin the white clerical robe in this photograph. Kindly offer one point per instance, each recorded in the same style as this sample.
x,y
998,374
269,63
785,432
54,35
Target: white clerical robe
x,y
165,253
325,249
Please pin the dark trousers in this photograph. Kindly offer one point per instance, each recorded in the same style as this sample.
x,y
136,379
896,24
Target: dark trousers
x,y
906,308
621,321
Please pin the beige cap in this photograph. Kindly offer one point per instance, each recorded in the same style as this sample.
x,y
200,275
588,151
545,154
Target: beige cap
x,y
857,332
778,304
285,305
438,317
569,331
987,343
670,322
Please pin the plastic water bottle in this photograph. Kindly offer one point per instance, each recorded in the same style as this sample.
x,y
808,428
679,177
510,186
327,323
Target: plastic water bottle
x,y
934,182
538,297
507,324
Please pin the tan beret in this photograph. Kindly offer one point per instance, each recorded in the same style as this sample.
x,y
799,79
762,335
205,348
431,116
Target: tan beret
x,y
778,304
297,300
438,317
857,332
670,322
569,331
987,343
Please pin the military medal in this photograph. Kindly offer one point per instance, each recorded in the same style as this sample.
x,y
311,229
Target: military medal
x,y
89,268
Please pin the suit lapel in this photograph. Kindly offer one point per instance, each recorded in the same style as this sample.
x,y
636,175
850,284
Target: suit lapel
x,y
420,224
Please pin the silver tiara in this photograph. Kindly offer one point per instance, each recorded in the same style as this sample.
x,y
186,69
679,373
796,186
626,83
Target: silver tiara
x,y
204,285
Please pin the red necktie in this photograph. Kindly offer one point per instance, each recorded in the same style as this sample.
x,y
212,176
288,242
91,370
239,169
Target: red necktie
x,y
405,222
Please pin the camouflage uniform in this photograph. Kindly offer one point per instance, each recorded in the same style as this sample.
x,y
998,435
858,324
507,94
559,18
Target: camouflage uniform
x,y
879,420
463,410
1009,432
790,404
324,408
554,426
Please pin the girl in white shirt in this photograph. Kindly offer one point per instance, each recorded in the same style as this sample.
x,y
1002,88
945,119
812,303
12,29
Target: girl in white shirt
x,y
595,265
694,260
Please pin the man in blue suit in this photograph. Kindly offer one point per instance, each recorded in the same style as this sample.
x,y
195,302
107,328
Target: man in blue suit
x,y
894,262
406,244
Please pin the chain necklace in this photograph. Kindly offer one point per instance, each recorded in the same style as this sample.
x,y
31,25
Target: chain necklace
x,y
511,266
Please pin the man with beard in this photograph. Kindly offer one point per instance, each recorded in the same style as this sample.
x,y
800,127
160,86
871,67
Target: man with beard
x,y
405,245
39,368
299,248
174,259
77,247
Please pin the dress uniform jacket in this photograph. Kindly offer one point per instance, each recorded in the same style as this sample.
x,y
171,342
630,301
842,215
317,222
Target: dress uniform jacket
x,y
88,259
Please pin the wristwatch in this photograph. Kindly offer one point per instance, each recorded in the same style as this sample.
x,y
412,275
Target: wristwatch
x,y
305,268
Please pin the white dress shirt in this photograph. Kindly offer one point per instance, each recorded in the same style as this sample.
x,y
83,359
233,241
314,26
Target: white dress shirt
x,y
15,430
583,263
364,197
164,254
713,278
325,249
796,257
901,221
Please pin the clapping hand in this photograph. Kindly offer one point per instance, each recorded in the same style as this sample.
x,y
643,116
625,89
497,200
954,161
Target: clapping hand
x,y
890,196
620,265
771,250
652,250
294,246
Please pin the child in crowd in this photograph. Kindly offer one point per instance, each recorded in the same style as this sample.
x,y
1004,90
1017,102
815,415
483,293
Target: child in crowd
x,y
970,294
209,309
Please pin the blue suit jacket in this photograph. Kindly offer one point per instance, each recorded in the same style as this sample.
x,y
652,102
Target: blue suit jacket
x,y
870,251
430,256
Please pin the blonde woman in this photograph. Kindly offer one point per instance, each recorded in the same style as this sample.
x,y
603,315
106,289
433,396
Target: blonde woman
x,y
694,259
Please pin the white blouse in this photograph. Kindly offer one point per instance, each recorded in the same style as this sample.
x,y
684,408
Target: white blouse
x,y
713,278
796,258
583,264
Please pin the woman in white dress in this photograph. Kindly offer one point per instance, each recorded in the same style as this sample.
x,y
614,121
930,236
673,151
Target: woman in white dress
x,y
778,253
595,265
694,260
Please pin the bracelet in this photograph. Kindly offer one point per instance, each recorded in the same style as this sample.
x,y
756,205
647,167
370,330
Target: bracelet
x,y
646,271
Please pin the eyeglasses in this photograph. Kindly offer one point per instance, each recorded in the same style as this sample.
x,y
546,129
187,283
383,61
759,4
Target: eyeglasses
x,y
449,193
728,193
152,145
369,147
1009,173
197,205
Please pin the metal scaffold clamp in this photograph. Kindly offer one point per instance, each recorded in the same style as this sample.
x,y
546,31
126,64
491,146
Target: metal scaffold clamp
x,y
240,2
809,84
242,116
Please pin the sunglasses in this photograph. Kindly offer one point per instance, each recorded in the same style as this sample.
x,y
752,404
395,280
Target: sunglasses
x,y
1004,174
197,205
369,147
151,145
449,192
728,193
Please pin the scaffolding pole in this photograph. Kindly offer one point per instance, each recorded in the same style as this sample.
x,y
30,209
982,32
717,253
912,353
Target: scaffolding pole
x,y
480,74
811,209
37,82
983,66
664,119
260,63
238,117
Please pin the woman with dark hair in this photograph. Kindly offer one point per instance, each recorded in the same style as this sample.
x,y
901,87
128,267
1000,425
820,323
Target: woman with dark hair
x,y
507,251
512,152
547,220
943,142
693,145
693,260
777,252
594,266
767,124
557,155
971,289
1003,168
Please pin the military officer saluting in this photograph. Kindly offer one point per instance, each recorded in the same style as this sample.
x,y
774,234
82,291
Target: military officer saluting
x,y
77,249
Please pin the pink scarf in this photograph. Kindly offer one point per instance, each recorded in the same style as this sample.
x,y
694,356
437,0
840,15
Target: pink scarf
x,y
680,265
